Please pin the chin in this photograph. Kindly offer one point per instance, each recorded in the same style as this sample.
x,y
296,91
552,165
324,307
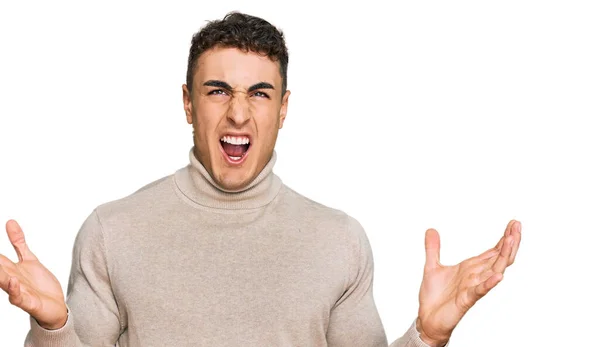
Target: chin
x,y
235,176
233,183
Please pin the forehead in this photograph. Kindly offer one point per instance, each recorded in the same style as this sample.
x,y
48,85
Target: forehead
x,y
236,67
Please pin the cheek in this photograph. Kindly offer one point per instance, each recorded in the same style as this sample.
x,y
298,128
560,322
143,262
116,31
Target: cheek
x,y
268,131
207,117
266,116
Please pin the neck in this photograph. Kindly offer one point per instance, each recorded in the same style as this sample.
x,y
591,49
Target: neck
x,y
197,185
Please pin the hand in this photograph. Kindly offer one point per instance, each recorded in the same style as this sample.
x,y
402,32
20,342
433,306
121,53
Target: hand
x,y
448,292
30,286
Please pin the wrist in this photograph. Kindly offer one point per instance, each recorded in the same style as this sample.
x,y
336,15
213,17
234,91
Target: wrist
x,y
55,324
430,341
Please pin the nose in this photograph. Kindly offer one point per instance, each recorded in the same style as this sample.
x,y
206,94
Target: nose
x,y
239,110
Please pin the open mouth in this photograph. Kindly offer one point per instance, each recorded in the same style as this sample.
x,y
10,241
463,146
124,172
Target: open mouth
x,y
235,148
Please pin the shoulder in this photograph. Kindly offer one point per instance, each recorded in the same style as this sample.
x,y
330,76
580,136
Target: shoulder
x,y
340,233
323,216
142,202
306,207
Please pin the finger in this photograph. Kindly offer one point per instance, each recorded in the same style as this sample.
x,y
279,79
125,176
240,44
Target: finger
x,y
477,292
4,278
502,261
513,230
14,292
484,275
515,248
507,233
12,286
4,261
17,238
432,249
492,252
509,227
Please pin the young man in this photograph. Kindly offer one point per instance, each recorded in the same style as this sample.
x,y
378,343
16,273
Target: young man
x,y
222,253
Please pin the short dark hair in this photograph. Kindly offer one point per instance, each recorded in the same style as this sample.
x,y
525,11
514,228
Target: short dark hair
x,y
242,31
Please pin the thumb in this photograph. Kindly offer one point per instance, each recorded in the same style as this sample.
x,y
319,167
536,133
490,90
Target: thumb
x,y
432,249
17,238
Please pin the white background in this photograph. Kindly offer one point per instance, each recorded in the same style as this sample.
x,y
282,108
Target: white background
x,y
454,115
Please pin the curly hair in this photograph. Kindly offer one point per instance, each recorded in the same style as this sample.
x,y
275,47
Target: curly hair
x,y
244,32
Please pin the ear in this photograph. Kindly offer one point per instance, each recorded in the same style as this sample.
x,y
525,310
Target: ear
x,y
284,108
187,104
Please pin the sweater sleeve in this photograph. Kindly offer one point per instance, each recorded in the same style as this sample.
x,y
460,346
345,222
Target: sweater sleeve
x,y
354,319
93,318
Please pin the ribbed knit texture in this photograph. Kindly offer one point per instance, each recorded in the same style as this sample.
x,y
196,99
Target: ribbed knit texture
x,y
182,262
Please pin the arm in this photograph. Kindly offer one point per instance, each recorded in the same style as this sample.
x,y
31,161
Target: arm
x,y
93,318
446,294
354,320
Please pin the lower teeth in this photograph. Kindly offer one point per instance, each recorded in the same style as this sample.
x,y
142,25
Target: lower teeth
x,y
235,158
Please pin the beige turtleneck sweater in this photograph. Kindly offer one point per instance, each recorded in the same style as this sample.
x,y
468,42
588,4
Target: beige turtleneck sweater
x,y
182,263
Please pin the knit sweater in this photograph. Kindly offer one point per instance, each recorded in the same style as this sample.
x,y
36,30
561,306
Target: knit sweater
x,y
181,262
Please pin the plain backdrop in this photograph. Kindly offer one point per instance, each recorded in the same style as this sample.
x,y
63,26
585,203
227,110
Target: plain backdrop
x,y
407,115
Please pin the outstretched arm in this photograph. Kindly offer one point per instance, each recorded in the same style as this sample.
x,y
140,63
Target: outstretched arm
x,y
93,318
447,293
354,320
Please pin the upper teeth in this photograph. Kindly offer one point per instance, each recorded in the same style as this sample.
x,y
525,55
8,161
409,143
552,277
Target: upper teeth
x,y
236,140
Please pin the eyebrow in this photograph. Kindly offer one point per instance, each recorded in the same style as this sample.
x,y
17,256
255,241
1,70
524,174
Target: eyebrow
x,y
261,85
225,85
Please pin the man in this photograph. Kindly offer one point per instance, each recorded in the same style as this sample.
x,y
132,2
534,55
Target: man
x,y
222,253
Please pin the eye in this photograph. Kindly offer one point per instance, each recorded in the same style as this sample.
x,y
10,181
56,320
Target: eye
x,y
217,92
261,94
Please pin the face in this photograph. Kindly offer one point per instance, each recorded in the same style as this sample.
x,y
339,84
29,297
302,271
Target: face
x,y
236,109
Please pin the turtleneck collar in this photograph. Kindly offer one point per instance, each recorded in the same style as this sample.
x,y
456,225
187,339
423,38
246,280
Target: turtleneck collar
x,y
196,184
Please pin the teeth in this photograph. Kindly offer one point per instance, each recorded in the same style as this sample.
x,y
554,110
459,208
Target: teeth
x,y
236,140
235,158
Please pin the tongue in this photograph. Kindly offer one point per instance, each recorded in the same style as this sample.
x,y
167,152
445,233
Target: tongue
x,y
234,150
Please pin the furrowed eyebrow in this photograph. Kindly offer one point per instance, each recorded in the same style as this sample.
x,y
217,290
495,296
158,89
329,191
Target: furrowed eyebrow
x,y
260,85
218,84
225,85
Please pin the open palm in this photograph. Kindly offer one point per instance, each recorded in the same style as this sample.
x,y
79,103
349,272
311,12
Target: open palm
x,y
30,286
448,292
